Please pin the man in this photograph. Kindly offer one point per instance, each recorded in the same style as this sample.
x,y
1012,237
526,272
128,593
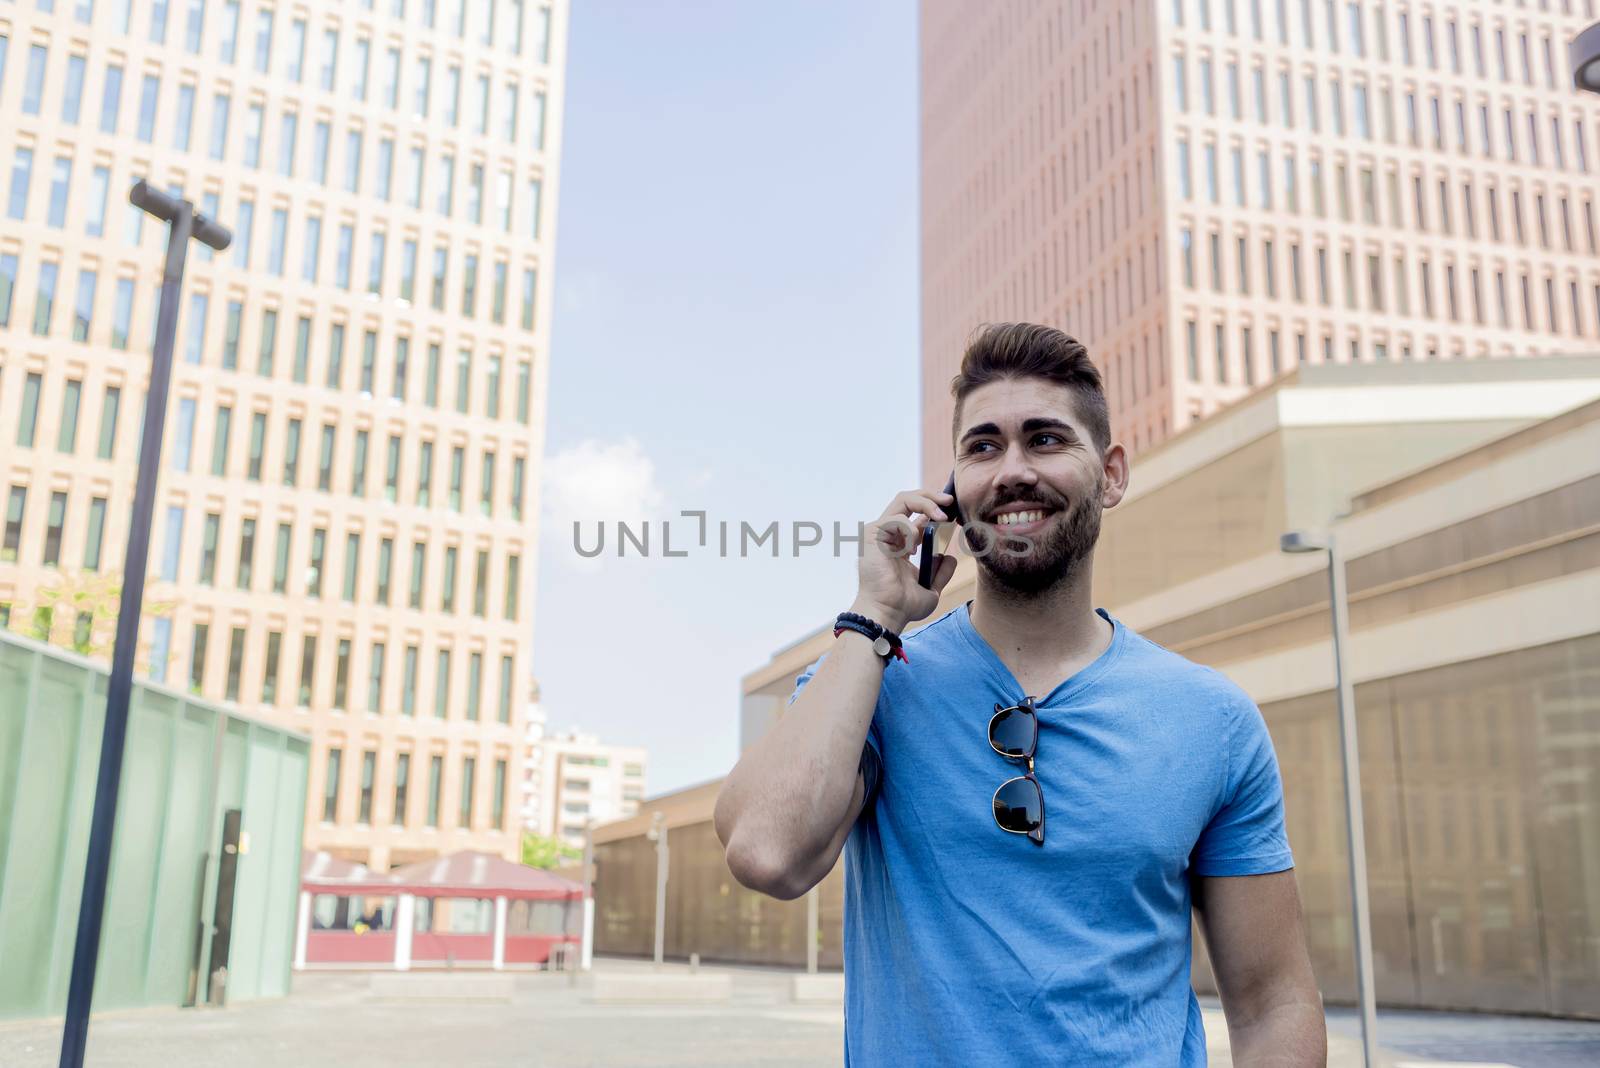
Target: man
x,y
977,931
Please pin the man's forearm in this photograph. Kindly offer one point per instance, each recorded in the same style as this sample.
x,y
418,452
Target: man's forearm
x,y
1290,1034
787,796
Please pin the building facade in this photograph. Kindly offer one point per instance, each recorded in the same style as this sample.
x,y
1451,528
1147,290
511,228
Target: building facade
x,y
571,778
345,520
1209,193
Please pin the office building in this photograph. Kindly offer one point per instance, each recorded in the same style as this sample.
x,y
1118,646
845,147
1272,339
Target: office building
x,y
344,522
1210,193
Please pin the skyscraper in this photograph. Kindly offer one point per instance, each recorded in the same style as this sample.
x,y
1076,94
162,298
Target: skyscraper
x,y
1210,192
345,516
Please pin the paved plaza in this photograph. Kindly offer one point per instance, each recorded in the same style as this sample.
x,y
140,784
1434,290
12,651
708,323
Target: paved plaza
x,y
333,1019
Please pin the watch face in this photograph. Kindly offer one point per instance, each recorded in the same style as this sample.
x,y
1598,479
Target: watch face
x,y
881,646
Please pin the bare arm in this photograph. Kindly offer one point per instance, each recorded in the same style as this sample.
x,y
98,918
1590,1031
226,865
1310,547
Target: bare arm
x,y
787,807
1256,939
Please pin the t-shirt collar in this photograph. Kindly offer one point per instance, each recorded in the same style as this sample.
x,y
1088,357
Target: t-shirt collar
x,y
1067,687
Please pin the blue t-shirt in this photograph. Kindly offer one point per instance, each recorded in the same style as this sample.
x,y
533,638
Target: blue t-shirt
x,y
968,945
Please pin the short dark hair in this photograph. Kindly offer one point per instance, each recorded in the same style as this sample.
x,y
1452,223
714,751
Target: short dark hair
x,y
1029,350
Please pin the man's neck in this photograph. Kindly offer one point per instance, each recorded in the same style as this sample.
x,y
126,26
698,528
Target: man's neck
x,y
1054,630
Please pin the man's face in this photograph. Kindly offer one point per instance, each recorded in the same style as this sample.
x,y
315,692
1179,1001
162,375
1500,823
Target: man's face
x,y
1023,452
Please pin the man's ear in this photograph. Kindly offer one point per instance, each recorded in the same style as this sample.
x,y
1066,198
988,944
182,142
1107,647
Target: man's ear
x,y
1115,469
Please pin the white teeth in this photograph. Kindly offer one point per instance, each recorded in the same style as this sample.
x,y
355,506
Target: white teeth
x,y
1011,519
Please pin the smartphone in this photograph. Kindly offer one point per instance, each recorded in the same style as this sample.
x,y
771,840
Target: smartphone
x,y
953,510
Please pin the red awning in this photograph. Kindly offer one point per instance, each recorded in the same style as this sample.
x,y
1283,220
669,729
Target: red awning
x,y
469,873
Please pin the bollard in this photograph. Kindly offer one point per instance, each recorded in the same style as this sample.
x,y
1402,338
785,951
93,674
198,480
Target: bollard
x,y
694,963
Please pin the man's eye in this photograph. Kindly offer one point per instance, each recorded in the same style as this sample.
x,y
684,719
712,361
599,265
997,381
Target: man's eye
x,y
1055,438
978,445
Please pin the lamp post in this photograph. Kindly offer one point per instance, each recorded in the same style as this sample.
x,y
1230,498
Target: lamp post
x,y
1583,53
658,834
184,223
1297,541
586,957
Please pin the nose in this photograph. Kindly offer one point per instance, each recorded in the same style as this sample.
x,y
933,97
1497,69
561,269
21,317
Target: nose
x,y
1016,473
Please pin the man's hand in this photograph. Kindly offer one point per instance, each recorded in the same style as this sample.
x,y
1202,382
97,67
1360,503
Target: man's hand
x,y
888,590
1254,935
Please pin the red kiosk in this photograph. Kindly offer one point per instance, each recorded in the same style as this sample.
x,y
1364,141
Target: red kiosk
x,y
468,909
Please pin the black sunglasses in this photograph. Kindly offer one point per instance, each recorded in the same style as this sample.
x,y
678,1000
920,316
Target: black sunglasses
x,y
1019,803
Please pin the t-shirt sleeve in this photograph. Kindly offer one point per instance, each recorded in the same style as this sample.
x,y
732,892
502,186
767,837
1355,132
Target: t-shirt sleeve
x,y
871,766
1246,835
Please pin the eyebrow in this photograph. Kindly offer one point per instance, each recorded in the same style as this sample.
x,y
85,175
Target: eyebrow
x,y
1028,427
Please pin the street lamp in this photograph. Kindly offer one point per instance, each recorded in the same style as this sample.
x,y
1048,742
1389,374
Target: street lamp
x,y
586,957
1583,53
1299,541
184,223
658,834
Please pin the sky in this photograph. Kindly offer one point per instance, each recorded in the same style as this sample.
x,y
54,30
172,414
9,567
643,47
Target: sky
x,y
735,331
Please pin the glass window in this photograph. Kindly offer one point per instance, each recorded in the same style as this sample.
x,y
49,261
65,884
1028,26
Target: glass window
x,y
33,84
447,596
291,453
16,505
111,100
441,683
72,91
60,189
375,264
319,549
264,40
194,338
55,524
341,676
375,679
149,91
529,289
358,466
45,299
108,422
95,536
183,447
278,237
385,569
83,306
308,669
424,474
336,356
513,582
21,179
245,220
247,553
474,686
8,285
469,765
435,776
480,586
352,564
330,787
269,675
208,549
255,121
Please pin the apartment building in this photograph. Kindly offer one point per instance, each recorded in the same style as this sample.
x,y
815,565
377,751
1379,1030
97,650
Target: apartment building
x,y
345,520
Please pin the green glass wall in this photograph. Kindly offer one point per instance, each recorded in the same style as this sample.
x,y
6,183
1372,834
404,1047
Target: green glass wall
x,y
185,764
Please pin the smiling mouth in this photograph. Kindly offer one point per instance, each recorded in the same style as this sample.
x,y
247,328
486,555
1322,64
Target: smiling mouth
x,y
1022,519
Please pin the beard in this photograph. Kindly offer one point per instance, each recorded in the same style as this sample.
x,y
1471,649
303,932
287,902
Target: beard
x,y
1046,559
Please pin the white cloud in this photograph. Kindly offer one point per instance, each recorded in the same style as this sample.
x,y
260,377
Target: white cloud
x,y
594,483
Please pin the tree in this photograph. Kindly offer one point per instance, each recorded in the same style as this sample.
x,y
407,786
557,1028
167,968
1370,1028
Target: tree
x,y
80,612
543,851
